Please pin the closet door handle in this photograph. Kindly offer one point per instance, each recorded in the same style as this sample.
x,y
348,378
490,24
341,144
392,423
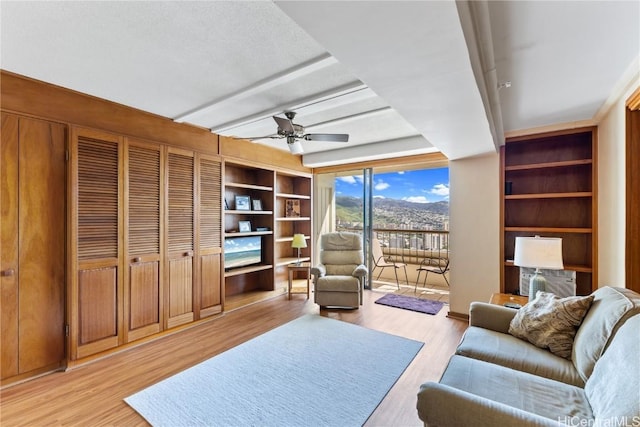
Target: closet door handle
x,y
137,259
188,253
8,273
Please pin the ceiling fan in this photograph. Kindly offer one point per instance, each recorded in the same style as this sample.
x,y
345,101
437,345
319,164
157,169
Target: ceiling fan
x,y
294,133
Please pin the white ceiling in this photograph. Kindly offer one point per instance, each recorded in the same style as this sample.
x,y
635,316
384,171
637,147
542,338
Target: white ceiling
x,y
399,77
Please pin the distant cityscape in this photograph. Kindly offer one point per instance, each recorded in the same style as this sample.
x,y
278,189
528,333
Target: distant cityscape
x,y
411,220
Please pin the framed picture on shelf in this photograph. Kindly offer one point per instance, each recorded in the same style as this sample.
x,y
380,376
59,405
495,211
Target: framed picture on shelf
x,y
243,203
244,226
257,204
292,208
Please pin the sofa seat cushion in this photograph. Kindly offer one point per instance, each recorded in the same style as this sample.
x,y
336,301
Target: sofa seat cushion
x,y
338,284
530,393
511,352
610,309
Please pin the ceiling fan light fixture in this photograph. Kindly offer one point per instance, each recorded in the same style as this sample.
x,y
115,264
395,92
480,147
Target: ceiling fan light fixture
x,y
295,146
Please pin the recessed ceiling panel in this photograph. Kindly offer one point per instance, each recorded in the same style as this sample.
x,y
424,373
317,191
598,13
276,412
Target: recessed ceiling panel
x,y
161,57
563,58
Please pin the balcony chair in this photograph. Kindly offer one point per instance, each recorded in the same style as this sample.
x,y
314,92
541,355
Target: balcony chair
x,y
432,265
381,262
338,280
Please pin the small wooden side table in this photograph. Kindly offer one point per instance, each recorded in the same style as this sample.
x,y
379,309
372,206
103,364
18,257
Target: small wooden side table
x,y
501,299
303,266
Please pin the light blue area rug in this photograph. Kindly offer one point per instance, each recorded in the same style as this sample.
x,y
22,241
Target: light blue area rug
x,y
312,371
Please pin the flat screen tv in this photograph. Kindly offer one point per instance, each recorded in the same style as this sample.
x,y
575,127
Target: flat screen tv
x,y
242,251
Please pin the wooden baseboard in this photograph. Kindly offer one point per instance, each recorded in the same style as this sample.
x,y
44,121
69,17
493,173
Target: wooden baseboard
x,y
458,316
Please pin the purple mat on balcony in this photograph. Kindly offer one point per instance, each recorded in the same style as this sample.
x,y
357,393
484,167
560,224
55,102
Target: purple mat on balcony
x,y
410,303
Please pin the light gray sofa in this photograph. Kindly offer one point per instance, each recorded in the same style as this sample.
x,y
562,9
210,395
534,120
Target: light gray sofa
x,y
495,379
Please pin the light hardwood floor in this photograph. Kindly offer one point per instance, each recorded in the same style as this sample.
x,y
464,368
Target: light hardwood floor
x,y
93,394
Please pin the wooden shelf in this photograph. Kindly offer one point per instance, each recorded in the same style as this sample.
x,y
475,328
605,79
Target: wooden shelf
x,y
550,229
546,165
294,218
552,183
288,239
237,212
293,196
248,269
250,233
248,186
581,268
549,195
273,187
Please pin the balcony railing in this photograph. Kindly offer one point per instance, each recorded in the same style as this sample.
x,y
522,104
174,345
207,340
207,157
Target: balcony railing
x,y
412,247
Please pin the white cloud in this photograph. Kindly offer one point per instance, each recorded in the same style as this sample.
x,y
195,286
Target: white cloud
x,y
440,190
354,179
379,197
401,173
416,199
381,185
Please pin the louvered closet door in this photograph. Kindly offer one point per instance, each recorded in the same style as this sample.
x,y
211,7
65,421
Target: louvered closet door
x,y
180,237
143,290
97,290
210,235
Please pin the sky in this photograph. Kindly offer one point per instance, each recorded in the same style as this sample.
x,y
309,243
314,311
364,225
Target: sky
x,y
418,186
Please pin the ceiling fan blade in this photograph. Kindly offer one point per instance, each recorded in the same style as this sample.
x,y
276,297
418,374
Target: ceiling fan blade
x,y
336,137
284,124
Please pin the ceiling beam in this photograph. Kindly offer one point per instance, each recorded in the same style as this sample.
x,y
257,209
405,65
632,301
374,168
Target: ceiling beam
x,y
264,85
349,89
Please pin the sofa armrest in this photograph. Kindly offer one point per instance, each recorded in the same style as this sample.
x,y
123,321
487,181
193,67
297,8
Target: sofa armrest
x,y
491,316
360,271
319,270
441,405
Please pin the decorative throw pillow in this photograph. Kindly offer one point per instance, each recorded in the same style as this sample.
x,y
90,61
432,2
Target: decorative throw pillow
x,y
551,322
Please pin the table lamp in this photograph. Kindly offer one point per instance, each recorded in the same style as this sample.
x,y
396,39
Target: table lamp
x,y
297,243
538,252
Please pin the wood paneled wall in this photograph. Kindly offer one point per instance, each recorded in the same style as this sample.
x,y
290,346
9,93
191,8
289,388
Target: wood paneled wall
x,y
35,98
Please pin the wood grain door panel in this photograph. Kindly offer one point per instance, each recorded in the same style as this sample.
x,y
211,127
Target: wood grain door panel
x,y
9,246
180,291
32,245
97,300
144,295
42,243
210,273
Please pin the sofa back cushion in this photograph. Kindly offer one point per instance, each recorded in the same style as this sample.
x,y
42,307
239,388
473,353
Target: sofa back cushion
x,y
610,309
612,389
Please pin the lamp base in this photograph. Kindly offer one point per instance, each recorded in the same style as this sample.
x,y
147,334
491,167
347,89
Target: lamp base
x,y
536,283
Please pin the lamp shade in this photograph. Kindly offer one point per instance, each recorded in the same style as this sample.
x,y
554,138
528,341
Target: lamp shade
x,y
539,252
298,241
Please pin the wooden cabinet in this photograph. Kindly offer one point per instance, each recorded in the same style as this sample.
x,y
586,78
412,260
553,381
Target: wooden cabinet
x,y
146,239
256,183
32,262
276,189
550,189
